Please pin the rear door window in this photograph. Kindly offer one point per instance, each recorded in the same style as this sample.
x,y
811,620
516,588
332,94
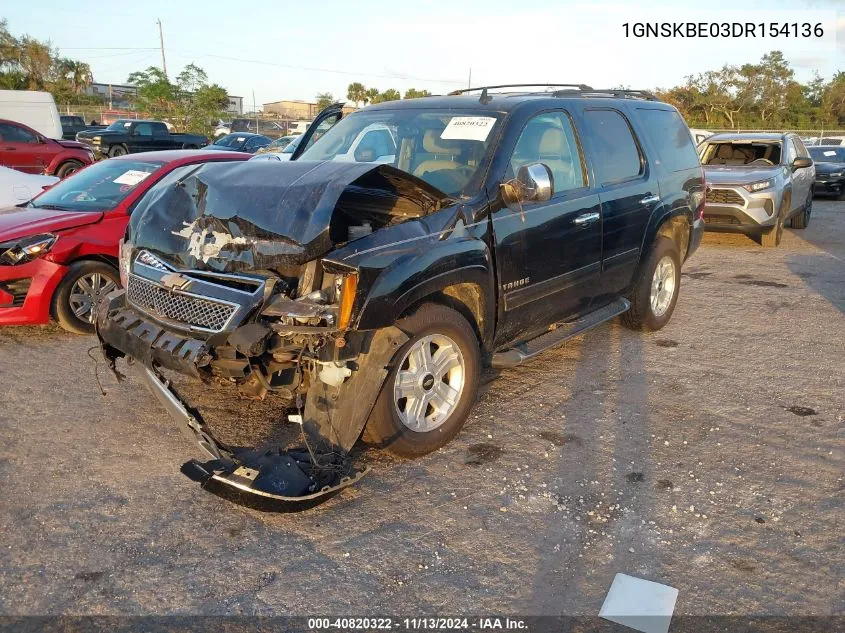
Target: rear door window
x,y
616,155
671,138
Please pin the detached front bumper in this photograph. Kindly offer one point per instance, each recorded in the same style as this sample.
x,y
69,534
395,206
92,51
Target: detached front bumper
x,y
332,414
732,208
124,331
26,291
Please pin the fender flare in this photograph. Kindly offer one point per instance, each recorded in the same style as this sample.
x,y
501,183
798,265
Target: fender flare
x,y
408,280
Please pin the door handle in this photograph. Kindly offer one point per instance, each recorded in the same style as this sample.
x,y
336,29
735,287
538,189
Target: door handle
x,y
587,218
10,149
650,200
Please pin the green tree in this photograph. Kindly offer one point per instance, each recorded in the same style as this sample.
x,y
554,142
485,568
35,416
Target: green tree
x,y
389,95
156,95
371,95
324,100
413,93
356,92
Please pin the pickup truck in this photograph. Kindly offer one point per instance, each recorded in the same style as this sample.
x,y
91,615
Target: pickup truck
x,y
368,291
73,125
131,136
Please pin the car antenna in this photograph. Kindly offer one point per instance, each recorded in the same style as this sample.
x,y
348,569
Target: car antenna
x,y
484,98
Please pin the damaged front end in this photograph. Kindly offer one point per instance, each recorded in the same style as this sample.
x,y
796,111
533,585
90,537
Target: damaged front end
x,y
226,280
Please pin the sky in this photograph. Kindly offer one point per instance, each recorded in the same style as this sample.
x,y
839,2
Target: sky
x,y
295,50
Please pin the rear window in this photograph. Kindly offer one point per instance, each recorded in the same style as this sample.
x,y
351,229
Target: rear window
x,y
670,135
616,156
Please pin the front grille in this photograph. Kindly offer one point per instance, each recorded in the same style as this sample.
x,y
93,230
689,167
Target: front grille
x,y
724,196
187,309
18,289
710,218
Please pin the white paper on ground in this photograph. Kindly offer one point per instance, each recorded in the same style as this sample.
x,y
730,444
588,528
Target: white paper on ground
x,y
639,604
131,177
468,128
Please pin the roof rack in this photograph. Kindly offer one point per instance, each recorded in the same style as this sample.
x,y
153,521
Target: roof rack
x,y
610,92
485,88
567,90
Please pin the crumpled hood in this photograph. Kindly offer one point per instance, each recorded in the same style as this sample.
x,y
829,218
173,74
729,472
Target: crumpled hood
x,y
16,222
261,215
736,175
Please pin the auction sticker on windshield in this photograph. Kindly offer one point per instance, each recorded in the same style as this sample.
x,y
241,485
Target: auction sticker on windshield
x,y
131,177
468,128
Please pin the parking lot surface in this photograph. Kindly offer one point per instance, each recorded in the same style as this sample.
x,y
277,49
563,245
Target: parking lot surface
x,y
707,456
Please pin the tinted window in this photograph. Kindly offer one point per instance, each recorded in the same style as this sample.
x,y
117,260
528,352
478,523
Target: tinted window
x,y
802,150
144,129
617,156
671,137
14,134
549,138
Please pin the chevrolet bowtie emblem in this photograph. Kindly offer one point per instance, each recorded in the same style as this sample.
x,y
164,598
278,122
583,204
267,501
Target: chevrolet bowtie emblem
x,y
174,281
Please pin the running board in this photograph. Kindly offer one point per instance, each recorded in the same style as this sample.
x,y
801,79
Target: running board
x,y
565,331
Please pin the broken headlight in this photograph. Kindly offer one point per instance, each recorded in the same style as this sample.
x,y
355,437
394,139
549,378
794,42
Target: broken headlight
x,y
25,249
124,260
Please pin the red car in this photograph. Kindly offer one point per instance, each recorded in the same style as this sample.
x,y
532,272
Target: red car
x,y
59,252
24,149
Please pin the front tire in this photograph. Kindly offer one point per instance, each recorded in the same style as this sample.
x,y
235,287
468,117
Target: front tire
x,y
76,298
431,387
656,291
68,168
117,150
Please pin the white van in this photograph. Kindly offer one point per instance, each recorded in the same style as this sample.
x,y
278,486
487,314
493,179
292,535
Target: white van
x,y
35,109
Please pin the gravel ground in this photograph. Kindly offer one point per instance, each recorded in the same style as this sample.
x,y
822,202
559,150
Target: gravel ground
x,y
707,456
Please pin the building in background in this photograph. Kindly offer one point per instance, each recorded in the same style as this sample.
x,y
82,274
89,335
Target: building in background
x,y
294,109
118,96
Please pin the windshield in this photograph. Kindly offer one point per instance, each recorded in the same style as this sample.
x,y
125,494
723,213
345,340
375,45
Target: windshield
x,y
119,126
230,140
280,143
442,147
100,187
741,153
827,154
290,148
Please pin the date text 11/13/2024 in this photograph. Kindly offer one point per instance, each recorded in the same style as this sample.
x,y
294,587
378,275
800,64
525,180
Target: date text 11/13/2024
x,y
418,624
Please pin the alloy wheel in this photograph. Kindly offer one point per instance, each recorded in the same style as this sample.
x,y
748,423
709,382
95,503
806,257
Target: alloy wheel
x,y
429,383
86,293
662,286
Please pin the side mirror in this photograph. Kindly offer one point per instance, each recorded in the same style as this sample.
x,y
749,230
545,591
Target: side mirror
x,y
536,183
801,162
533,183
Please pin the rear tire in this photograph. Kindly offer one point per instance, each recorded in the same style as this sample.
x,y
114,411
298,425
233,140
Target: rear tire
x,y
656,291
67,168
84,284
440,339
117,150
802,219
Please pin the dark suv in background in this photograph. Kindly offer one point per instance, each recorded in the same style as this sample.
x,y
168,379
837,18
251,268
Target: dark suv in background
x,y
369,290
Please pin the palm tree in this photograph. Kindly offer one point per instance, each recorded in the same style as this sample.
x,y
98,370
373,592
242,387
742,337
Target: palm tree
x,y
356,92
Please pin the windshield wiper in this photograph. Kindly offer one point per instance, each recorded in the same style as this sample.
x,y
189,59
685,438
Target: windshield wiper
x,y
52,207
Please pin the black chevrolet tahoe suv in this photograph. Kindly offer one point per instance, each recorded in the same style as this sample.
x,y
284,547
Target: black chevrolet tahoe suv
x,y
370,282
